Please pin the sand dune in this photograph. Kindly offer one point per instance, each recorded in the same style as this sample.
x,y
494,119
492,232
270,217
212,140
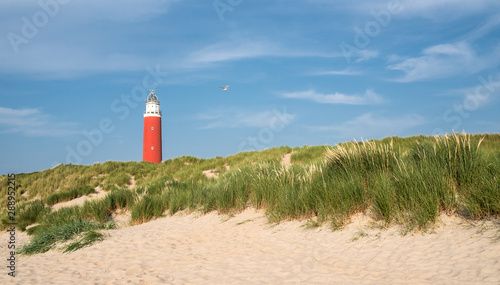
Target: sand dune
x,y
100,194
245,249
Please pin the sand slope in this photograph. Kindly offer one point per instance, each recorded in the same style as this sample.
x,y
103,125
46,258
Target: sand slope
x,y
100,194
212,249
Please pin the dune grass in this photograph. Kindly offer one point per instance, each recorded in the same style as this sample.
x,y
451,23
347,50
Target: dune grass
x,y
116,179
68,222
90,237
308,154
69,195
28,213
45,240
147,208
404,181
409,185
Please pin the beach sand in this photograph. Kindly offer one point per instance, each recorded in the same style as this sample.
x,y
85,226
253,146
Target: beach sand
x,y
246,249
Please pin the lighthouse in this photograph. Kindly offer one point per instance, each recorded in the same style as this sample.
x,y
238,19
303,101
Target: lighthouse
x,y
151,147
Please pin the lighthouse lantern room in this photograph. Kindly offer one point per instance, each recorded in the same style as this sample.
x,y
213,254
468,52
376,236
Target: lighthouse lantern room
x,y
151,148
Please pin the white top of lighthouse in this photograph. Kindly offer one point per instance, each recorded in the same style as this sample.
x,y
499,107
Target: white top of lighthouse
x,y
152,105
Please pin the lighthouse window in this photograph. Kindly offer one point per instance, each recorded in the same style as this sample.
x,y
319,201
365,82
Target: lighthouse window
x,y
152,128
152,148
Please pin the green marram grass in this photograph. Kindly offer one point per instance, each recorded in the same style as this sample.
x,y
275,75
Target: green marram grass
x,y
45,240
74,193
90,237
403,181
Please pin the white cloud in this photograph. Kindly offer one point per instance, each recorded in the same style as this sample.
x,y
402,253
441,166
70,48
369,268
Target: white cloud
x,y
366,54
350,52
32,122
75,40
345,72
238,48
233,118
370,97
444,60
395,58
232,50
490,25
60,61
370,126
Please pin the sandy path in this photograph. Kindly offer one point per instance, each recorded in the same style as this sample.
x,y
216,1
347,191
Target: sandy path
x,y
132,183
286,160
246,250
210,173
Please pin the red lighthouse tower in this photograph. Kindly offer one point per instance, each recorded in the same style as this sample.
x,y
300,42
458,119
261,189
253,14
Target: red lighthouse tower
x,y
151,147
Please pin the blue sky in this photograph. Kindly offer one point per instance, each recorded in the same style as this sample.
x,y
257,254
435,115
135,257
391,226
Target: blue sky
x,y
73,75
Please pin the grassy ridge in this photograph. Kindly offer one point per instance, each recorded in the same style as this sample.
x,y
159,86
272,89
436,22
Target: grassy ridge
x,y
409,185
406,181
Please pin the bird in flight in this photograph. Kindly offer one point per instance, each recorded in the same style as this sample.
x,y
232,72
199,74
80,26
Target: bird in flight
x,y
224,88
